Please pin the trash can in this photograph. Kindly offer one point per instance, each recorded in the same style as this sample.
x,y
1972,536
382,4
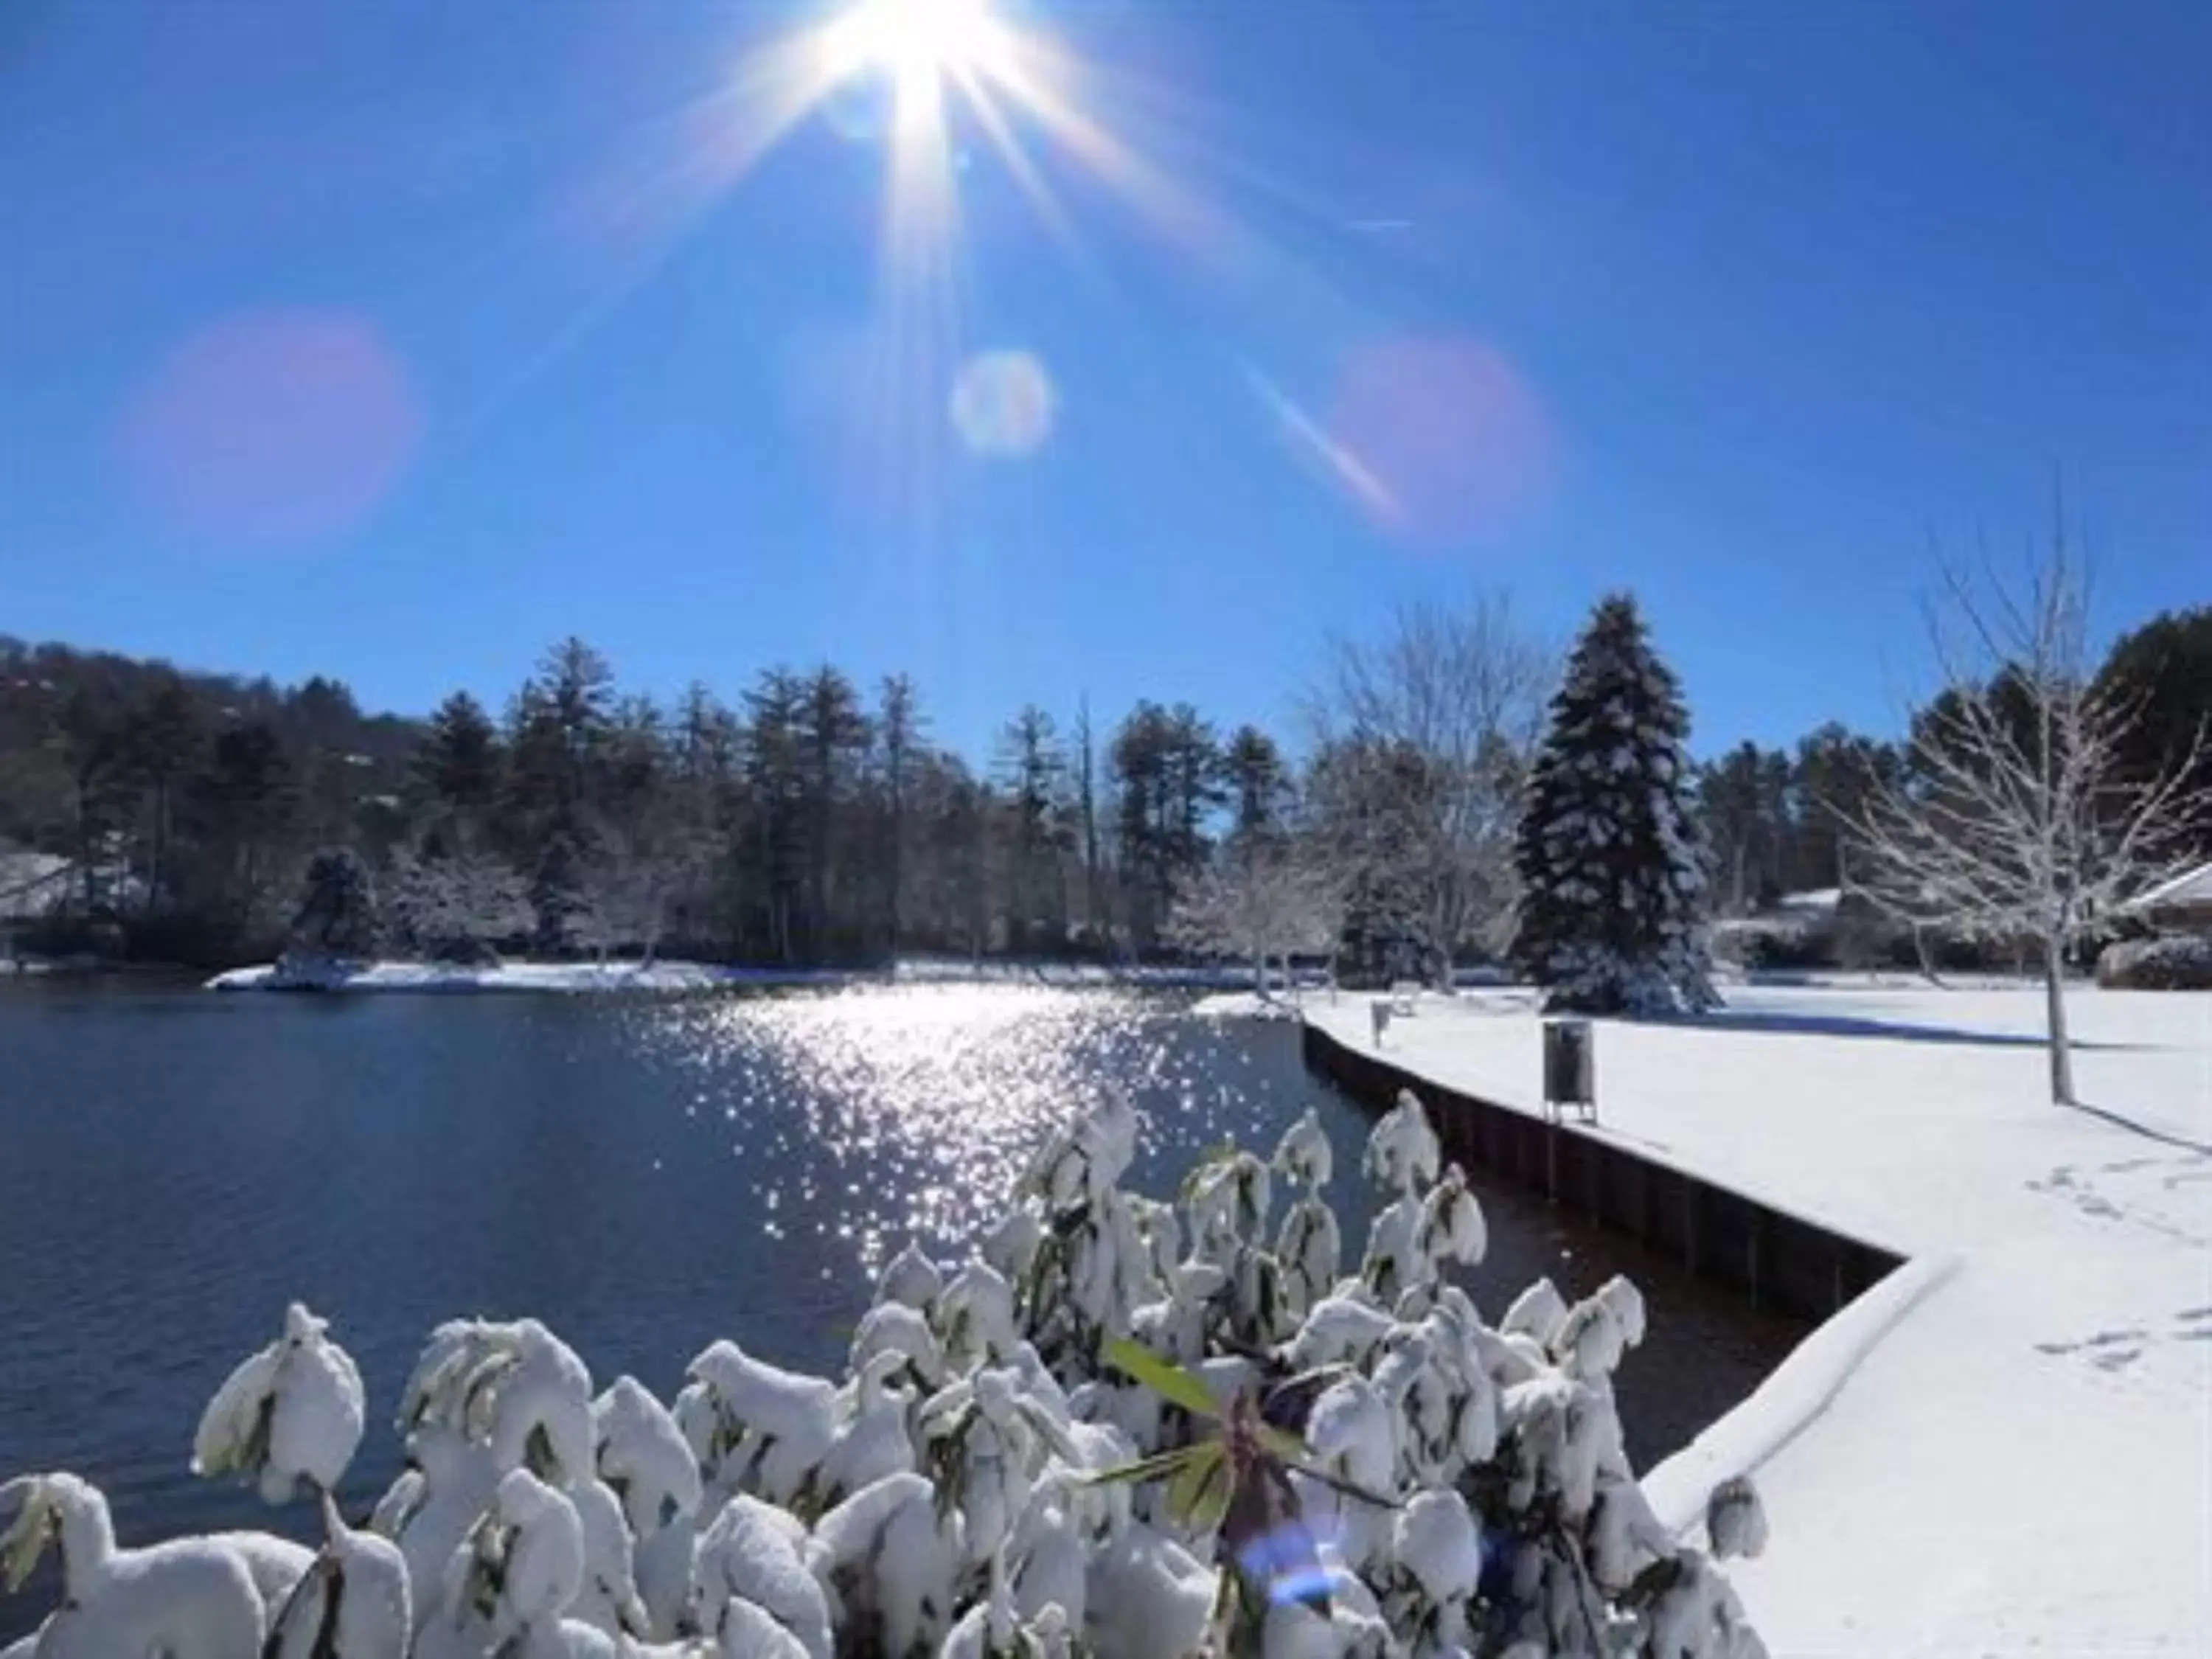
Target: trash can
x,y
1570,1070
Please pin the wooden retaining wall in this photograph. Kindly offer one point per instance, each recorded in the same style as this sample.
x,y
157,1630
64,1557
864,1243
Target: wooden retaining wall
x,y
1782,1260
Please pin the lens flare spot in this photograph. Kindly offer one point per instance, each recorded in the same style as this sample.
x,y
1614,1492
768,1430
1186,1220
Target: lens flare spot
x,y
1456,440
1003,405
272,428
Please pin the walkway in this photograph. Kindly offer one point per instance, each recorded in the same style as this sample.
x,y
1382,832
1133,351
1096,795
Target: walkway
x,y
2023,1462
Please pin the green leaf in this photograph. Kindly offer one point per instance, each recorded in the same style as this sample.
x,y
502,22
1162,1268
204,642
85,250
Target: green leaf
x,y
24,1543
1198,1496
1158,1467
1164,1378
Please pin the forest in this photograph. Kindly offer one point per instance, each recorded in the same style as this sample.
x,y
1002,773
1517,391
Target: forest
x,y
157,813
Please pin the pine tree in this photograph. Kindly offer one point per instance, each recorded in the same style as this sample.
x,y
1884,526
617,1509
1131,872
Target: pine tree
x,y
457,766
1611,884
899,728
1257,781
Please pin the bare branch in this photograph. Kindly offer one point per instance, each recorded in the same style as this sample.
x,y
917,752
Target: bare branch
x,y
2012,821
1422,738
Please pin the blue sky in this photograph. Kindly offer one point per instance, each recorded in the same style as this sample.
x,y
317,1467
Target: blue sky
x,y
395,340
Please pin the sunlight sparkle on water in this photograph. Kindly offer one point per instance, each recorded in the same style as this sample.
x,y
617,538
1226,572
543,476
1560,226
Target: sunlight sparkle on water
x,y
922,1107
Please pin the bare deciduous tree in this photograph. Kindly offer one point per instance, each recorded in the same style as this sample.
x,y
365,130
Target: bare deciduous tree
x,y
1422,738
626,885
1261,899
2014,822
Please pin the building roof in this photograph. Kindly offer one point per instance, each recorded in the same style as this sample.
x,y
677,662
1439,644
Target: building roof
x,y
2190,887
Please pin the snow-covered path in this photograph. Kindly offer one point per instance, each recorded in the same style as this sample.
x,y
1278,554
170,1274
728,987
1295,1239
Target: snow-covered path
x,y
2023,1463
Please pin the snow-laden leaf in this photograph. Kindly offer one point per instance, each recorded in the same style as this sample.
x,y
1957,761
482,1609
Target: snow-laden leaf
x,y
1170,1382
1202,1167
1160,1466
1292,1453
25,1540
1199,1495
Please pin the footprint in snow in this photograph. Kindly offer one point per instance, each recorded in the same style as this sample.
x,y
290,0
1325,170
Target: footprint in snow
x,y
2102,1340
2065,1183
2114,1350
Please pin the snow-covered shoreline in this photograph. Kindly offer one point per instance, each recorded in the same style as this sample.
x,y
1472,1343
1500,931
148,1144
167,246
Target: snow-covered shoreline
x,y
674,975
564,977
2006,1444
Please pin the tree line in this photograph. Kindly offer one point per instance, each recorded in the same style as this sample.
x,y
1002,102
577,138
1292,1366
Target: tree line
x,y
1778,821
811,821
808,823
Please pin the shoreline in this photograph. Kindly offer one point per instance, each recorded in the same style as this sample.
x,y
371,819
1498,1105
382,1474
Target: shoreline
x,y
679,975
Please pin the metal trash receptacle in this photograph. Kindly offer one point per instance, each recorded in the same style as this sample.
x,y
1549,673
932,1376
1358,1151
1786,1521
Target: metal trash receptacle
x,y
1570,1068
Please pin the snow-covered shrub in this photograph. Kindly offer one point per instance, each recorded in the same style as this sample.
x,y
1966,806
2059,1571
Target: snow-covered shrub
x,y
1135,1430
2180,963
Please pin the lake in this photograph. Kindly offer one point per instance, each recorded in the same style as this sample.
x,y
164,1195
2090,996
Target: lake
x,y
644,1176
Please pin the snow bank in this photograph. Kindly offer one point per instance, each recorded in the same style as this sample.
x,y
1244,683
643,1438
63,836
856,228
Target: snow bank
x,y
2003,1446
1242,1005
1789,1402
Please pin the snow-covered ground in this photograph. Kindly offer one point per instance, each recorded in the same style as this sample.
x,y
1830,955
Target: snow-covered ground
x,y
2007,1447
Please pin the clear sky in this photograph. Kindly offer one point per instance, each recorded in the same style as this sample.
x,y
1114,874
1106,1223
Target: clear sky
x,y
395,338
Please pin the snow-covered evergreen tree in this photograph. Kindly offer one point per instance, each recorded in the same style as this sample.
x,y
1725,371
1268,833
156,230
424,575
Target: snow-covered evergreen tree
x,y
337,907
1610,915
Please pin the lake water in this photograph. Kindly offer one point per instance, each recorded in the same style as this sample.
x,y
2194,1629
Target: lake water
x,y
643,1176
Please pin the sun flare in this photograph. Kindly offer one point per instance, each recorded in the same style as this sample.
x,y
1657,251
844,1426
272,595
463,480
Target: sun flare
x,y
917,43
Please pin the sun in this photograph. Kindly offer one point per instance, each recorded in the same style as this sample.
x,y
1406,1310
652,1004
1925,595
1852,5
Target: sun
x,y
917,44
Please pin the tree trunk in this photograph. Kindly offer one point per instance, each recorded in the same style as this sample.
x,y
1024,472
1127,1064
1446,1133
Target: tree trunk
x,y
84,841
157,869
1927,962
2054,994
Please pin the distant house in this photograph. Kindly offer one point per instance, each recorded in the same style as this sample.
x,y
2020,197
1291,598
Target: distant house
x,y
2182,905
